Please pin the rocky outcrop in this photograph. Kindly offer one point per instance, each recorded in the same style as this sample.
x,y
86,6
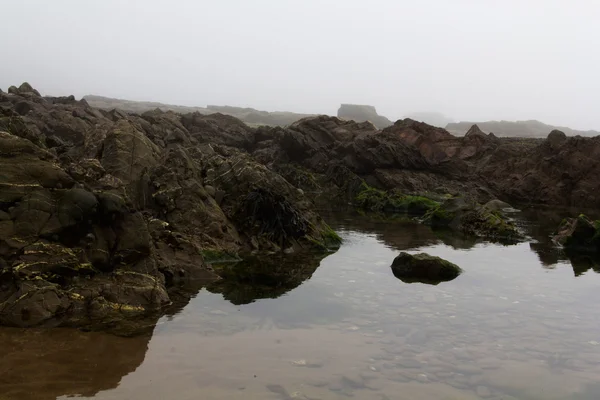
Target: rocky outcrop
x,y
415,158
362,113
101,212
424,268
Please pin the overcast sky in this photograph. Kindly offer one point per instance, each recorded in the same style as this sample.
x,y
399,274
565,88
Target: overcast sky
x,y
469,59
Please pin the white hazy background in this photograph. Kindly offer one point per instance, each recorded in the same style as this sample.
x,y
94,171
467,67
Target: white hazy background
x,y
469,59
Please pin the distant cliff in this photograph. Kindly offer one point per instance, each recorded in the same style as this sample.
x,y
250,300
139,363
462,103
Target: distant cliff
x,y
361,113
526,129
248,115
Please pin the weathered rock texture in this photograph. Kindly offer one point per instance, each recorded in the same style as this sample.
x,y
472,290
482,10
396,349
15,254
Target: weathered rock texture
x,y
416,158
100,211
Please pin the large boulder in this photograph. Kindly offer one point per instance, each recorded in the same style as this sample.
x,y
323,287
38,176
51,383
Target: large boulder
x,y
424,268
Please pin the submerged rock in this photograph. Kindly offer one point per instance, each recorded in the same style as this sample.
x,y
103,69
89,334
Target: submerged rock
x,y
424,268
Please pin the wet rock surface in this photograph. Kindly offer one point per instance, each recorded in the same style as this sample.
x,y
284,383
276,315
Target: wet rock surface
x,y
424,268
579,235
464,215
102,211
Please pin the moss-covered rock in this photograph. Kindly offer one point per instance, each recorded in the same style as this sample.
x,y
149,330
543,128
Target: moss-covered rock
x,y
375,200
468,217
424,268
579,234
219,256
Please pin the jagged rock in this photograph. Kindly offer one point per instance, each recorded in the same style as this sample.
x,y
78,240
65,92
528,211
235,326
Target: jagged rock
x,y
424,268
100,212
26,88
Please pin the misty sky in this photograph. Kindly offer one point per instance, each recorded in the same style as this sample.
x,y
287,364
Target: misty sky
x,y
470,59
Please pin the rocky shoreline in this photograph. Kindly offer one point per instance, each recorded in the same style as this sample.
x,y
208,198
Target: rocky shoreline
x,y
102,212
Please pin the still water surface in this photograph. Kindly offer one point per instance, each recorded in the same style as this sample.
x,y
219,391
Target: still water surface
x,y
510,327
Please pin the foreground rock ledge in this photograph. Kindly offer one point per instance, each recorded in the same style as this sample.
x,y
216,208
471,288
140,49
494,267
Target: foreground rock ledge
x,y
424,268
101,212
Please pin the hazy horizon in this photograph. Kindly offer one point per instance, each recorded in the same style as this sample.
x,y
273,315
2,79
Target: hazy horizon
x,y
467,59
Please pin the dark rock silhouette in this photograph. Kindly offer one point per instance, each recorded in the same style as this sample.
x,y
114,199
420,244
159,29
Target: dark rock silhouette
x,y
424,268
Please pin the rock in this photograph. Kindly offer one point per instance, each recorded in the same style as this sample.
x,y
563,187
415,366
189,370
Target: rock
x,y
579,235
26,88
362,113
424,268
103,214
556,139
210,190
498,205
466,216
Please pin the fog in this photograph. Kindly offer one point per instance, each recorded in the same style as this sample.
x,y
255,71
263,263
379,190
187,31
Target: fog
x,y
469,59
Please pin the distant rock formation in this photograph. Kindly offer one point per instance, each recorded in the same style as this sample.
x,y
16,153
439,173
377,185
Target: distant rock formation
x,y
525,129
432,118
362,113
250,116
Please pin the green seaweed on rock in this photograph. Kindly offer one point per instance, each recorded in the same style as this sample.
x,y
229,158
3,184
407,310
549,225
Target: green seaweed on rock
x,y
375,200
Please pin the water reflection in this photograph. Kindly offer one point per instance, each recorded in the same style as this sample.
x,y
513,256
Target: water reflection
x,y
44,364
341,327
262,278
538,223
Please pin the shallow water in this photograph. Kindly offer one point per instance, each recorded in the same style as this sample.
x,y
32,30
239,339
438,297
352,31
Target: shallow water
x,y
510,327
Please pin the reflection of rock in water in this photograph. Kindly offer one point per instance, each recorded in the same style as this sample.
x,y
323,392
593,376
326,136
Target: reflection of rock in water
x,y
547,253
582,263
263,278
43,364
398,232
